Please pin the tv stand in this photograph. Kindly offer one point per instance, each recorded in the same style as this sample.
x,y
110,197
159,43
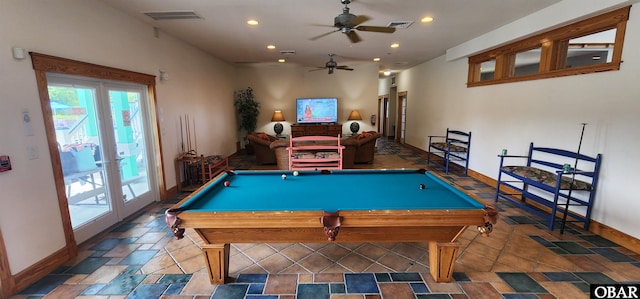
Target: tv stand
x,y
299,130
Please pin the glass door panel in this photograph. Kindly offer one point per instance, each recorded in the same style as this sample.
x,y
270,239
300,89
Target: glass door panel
x,y
79,144
130,140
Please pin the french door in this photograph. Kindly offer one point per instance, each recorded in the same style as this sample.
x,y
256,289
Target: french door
x,y
102,134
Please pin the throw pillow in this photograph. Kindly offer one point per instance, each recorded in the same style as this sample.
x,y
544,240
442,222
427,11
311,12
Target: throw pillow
x,y
263,136
85,160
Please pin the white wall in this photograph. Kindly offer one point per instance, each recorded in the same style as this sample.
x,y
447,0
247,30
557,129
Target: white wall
x,y
276,87
90,31
548,112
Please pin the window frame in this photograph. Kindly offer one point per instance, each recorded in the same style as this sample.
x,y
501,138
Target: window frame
x,y
554,45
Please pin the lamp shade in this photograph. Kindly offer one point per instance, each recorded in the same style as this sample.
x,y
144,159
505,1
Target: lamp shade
x,y
277,116
354,115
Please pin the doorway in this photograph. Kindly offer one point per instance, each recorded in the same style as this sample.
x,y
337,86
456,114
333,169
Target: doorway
x,y
102,136
402,117
383,118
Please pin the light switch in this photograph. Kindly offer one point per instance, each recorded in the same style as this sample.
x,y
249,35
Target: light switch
x,y
27,123
32,152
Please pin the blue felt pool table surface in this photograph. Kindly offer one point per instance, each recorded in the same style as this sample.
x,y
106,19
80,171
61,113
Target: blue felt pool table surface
x,y
340,190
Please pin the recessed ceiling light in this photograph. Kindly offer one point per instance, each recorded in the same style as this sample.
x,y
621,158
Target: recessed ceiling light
x,y
252,22
376,59
426,20
271,47
395,45
387,73
281,60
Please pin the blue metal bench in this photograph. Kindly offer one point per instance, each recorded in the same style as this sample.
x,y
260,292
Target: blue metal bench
x,y
453,147
546,183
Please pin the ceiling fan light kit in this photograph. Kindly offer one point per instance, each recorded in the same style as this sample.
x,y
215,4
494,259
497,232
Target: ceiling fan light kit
x,y
332,65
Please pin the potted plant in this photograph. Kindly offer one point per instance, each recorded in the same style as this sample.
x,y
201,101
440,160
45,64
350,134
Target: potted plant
x,y
248,109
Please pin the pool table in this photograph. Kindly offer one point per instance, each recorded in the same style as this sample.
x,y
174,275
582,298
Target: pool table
x,y
329,206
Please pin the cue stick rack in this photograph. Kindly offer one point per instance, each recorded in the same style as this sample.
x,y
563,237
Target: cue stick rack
x,y
188,164
185,130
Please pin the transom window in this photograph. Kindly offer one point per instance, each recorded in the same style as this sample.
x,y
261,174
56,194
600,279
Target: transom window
x,y
588,46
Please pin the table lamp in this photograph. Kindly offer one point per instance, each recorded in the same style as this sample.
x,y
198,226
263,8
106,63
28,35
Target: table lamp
x,y
278,117
355,126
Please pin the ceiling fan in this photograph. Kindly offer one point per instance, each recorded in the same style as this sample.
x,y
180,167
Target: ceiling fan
x,y
347,23
332,65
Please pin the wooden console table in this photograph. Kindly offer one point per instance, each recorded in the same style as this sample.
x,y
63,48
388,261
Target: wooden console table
x,y
299,130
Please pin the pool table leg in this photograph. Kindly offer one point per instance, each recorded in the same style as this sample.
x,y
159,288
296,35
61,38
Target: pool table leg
x,y
442,258
217,258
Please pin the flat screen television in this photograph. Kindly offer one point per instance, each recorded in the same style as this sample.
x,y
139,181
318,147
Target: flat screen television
x,y
316,110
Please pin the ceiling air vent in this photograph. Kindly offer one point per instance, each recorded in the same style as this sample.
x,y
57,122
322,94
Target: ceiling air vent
x,y
288,52
172,15
400,24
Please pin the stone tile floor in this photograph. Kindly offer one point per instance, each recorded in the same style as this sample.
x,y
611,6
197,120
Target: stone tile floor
x,y
521,259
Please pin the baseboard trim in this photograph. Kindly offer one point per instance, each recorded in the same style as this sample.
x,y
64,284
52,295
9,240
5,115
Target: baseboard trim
x,y
36,271
595,227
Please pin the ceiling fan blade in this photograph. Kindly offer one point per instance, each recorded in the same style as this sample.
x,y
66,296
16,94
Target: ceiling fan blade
x,y
323,35
353,37
359,20
376,29
344,68
321,25
318,69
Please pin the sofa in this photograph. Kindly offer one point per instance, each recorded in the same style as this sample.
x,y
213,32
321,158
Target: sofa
x,y
365,145
261,147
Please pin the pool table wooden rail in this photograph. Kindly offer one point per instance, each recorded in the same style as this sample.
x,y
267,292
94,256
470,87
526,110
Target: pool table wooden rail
x,y
368,218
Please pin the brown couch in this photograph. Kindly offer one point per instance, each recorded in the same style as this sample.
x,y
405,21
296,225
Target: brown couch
x,y
365,145
260,143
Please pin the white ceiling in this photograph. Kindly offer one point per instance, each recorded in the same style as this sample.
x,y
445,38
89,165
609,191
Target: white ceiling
x,y
290,24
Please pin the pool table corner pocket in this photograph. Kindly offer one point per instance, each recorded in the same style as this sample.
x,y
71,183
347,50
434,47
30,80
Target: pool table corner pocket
x,y
331,222
172,220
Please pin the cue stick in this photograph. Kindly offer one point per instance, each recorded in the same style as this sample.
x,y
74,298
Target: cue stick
x,y
181,135
195,138
186,130
186,121
573,178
